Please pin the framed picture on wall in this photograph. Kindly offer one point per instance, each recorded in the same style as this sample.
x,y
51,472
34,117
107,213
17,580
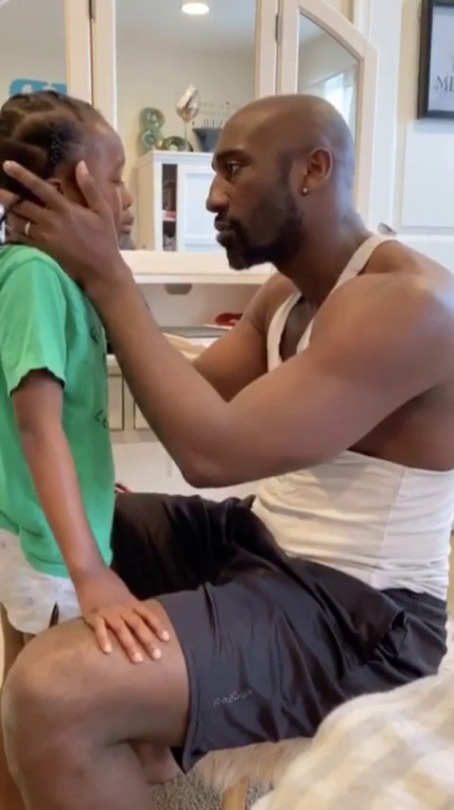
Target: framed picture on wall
x,y
436,61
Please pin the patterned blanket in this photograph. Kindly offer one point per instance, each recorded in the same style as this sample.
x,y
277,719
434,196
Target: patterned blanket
x,y
381,752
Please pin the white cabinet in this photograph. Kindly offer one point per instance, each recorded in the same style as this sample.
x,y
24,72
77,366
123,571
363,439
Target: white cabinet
x,y
116,395
172,190
140,422
116,404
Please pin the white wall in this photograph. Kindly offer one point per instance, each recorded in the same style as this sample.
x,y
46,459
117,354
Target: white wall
x,y
424,196
413,170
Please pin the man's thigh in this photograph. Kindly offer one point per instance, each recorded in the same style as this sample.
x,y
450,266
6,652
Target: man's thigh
x,y
261,662
237,670
165,544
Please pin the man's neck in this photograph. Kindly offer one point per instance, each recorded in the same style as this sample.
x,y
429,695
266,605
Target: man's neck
x,y
318,266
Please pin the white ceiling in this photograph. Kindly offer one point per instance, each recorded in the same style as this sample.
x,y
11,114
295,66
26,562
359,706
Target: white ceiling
x,y
229,25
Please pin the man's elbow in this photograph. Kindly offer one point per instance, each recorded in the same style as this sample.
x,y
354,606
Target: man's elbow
x,y
205,473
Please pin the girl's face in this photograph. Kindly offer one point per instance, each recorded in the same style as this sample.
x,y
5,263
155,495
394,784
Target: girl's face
x,y
105,159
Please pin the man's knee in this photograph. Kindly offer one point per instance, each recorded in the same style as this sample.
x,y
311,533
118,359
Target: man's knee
x,y
26,708
37,711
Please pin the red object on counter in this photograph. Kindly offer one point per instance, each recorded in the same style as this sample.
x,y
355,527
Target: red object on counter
x,y
227,318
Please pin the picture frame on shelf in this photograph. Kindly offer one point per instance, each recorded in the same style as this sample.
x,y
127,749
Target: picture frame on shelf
x,y
436,60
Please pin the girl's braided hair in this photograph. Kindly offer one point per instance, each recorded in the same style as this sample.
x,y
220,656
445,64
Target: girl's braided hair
x,y
42,131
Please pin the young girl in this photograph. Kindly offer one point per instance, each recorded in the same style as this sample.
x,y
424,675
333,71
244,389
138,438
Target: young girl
x,y
56,468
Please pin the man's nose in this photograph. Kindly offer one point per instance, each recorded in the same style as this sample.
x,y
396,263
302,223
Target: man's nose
x,y
217,199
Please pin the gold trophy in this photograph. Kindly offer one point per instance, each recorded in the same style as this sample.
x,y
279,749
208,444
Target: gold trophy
x,y
187,107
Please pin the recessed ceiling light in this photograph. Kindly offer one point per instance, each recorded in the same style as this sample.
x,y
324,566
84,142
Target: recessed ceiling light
x,y
190,7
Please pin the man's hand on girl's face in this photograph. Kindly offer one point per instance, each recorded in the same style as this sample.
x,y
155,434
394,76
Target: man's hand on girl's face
x,y
82,239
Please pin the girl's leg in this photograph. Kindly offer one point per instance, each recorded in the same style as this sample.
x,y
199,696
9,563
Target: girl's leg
x,y
13,645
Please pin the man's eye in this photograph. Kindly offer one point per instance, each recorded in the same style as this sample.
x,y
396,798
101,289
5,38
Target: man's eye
x,y
232,168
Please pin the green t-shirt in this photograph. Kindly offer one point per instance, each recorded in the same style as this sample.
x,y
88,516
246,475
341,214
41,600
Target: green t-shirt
x,y
47,323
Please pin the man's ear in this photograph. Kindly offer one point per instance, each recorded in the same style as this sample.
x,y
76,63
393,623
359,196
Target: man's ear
x,y
319,168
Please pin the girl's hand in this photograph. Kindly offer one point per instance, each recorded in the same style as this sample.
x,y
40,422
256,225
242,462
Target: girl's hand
x,y
108,605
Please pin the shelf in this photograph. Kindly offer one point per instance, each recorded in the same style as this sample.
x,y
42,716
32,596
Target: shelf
x,y
169,267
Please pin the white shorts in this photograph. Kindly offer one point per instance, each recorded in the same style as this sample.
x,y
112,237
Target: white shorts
x,y
28,596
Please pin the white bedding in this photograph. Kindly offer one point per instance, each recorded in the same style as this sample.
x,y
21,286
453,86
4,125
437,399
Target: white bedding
x,y
381,752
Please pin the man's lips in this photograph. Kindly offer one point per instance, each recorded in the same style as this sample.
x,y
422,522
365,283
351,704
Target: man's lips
x,y
225,233
225,237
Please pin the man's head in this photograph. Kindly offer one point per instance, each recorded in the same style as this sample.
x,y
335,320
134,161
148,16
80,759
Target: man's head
x,y
282,165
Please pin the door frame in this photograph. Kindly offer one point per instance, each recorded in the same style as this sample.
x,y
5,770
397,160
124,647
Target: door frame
x,y
78,49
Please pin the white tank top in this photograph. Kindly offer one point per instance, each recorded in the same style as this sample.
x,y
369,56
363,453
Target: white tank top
x,y
383,523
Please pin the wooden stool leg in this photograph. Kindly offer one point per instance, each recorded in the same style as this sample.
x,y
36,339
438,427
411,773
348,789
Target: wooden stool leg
x,y
235,798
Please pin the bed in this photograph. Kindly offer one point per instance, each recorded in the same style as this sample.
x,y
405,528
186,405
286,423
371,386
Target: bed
x,y
382,752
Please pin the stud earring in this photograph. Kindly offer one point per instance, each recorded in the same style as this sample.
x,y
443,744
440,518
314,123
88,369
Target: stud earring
x,y
305,191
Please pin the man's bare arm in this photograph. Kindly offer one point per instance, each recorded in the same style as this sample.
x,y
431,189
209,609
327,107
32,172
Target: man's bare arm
x,y
240,357
378,342
377,345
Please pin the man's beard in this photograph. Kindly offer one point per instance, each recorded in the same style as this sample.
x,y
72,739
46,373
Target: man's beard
x,y
262,242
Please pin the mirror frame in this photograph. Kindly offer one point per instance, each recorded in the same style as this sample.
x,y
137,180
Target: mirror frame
x,y
344,32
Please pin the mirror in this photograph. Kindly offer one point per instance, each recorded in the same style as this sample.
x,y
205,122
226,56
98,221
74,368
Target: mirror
x,y
327,69
32,47
161,51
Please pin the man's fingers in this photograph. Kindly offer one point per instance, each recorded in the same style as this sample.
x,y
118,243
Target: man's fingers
x,y
26,211
48,195
87,186
152,622
7,198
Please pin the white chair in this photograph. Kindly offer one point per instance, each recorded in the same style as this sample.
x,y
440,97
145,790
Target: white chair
x,y
231,773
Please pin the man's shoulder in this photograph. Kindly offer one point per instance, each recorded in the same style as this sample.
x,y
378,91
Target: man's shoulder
x,y
393,257
268,299
401,306
398,278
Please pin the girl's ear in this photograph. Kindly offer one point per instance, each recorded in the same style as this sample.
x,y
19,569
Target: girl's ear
x,y
56,183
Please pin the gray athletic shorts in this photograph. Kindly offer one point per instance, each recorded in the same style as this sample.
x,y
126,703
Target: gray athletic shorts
x,y
272,644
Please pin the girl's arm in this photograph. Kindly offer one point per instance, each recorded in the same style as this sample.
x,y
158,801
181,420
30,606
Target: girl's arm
x,y
104,599
38,404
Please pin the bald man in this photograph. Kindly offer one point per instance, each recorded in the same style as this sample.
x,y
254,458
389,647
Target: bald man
x,y
336,392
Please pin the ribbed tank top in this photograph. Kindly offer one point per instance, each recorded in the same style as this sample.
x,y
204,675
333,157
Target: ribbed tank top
x,y
383,523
